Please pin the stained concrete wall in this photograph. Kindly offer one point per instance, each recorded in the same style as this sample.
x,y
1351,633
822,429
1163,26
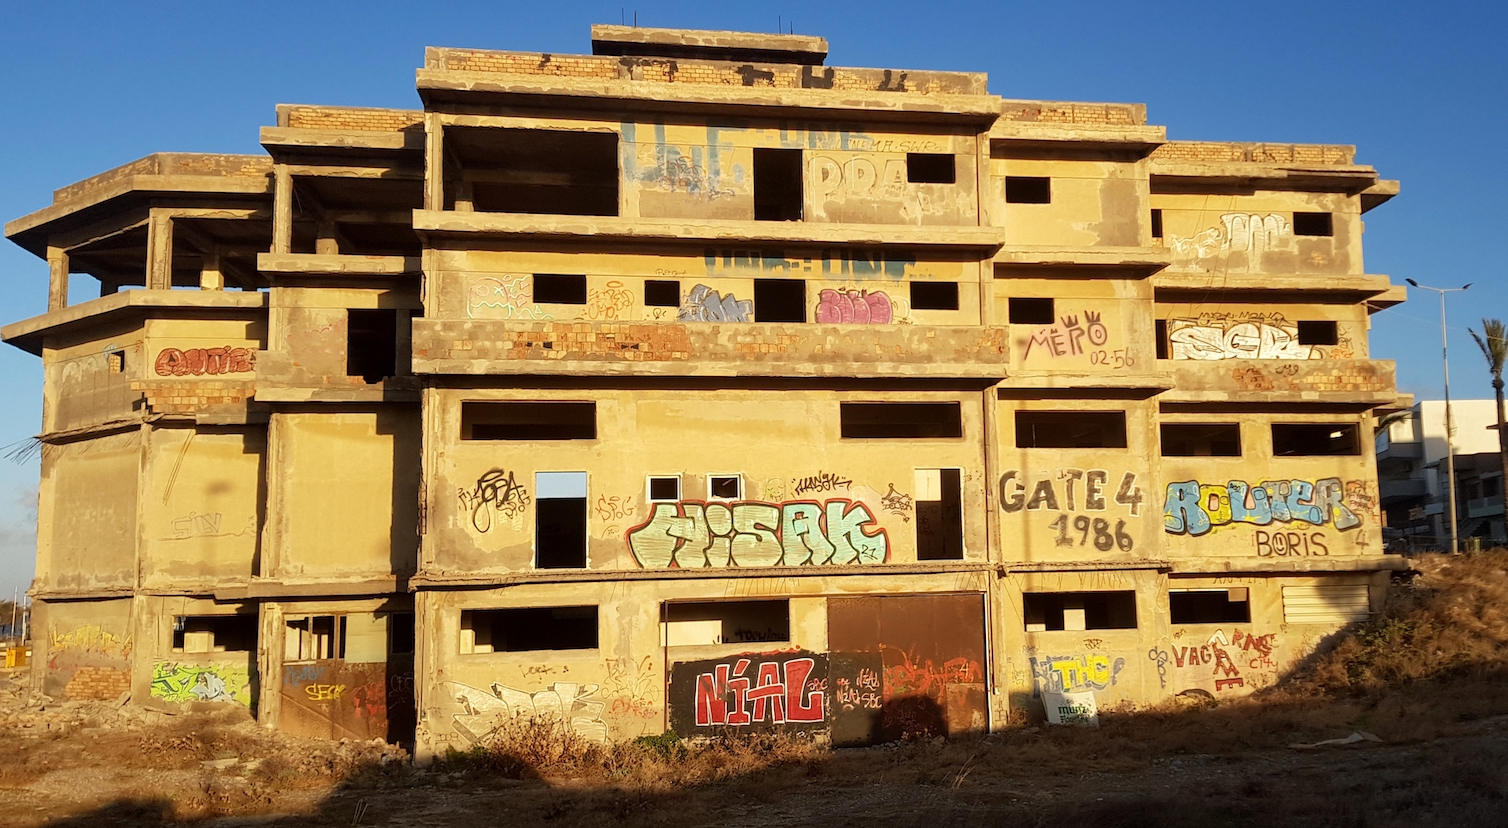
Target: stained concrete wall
x,y
1100,326
203,510
82,649
1094,201
179,678
1254,234
87,513
88,377
1267,330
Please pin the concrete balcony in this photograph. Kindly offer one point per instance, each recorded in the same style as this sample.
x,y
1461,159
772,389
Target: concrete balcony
x,y
1484,507
1394,451
1396,490
1354,381
708,349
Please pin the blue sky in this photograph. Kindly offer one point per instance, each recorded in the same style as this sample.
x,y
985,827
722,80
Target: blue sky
x,y
1418,88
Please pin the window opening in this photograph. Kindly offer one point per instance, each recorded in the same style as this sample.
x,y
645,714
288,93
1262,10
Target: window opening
x,y
1156,224
401,633
939,515
703,623
1201,440
779,300
1052,611
1314,439
934,296
1313,224
1324,332
372,343
214,633
509,420
1070,429
551,171
555,289
1209,606
314,637
725,486
527,629
560,520
931,168
1160,330
1022,189
664,489
900,420
1030,311
777,185
117,362
662,293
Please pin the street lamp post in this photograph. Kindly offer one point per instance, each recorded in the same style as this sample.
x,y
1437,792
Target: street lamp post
x,y
1450,426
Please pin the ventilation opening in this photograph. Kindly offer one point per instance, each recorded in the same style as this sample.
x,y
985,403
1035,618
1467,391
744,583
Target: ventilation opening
x,y
901,420
1030,311
1156,224
779,300
661,293
1160,331
1209,606
934,296
314,637
214,633
560,520
1051,611
664,489
931,168
726,622
725,487
777,185
1314,439
528,629
1070,429
1201,440
1313,224
535,170
117,362
939,515
1319,333
1021,189
372,344
559,290
528,421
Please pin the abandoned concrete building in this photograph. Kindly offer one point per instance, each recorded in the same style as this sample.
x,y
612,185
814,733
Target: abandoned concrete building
x,y
696,385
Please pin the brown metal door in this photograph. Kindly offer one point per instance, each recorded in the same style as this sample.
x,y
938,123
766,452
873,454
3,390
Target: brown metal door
x,y
334,699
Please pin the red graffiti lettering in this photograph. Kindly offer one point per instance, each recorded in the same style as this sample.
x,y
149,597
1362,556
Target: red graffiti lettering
x,y
780,694
171,362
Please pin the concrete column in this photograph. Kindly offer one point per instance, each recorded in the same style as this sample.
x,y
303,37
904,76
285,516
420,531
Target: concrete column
x,y
57,278
269,663
210,277
326,242
464,197
434,162
159,250
282,210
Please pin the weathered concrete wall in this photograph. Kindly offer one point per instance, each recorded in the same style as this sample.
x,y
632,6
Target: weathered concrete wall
x,y
310,345
201,366
1215,331
202,518
1093,202
1253,234
82,649
88,378
178,678
87,513
1101,326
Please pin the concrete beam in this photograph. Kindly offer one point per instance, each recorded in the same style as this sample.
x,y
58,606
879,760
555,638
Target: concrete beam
x,y
286,138
315,264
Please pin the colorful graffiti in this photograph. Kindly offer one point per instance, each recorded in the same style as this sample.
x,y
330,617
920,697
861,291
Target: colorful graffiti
x,y
507,297
675,172
1074,673
854,307
836,263
1211,340
754,690
1195,508
795,533
703,304
177,682
861,692
478,715
1222,662
496,494
1067,338
912,676
89,640
172,362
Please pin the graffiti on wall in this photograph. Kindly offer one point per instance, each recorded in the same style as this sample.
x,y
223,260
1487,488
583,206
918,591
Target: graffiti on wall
x,y
854,307
1075,336
822,481
1222,662
1248,233
503,297
835,179
89,641
704,304
1194,508
1074,673
496,494
753,691
177,682
835,263
676,171
478,715
608,302
172,362
691,534
1068,492
1267,336
897,503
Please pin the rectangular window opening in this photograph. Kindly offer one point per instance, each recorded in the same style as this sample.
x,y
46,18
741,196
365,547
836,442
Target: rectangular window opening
x,y
777,185
528,629
662,293
1160,331
779,300
117,362
1030,311
555,289
1313,224
560,520
1315,439
508,420
550,171
1156,224
1070,429
665,489
372,343
931,168
934,296
705,623
1023,189
900,420
1209,606
1078,611
1325,332
401,633
214,633
725,487
939,515
1201,440
314,637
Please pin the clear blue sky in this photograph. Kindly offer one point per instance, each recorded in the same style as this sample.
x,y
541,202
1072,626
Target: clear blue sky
x,y
1418,87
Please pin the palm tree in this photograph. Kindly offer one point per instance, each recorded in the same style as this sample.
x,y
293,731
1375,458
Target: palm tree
x,y
1494,347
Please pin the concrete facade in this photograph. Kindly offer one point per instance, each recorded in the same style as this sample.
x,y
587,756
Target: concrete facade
x,y
696,385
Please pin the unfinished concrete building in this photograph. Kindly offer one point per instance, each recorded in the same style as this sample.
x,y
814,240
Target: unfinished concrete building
x,y
697,385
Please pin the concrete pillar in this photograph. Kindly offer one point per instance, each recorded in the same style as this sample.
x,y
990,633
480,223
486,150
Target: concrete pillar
x,y
282,210
326,242
210,277
269,663
57,278
434,162
159,251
